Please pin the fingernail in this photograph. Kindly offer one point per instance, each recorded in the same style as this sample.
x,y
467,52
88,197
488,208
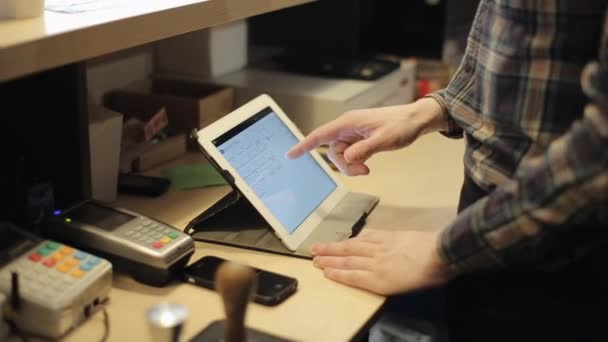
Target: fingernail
x,y
314,249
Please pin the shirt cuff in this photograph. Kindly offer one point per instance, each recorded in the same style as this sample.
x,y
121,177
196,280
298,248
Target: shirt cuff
x,y
454,131
462,246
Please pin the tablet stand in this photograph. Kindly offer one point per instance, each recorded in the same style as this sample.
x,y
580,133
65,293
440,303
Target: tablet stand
x,y
234,221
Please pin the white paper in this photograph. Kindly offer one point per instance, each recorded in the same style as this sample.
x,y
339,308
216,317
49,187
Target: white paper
x,y
81,6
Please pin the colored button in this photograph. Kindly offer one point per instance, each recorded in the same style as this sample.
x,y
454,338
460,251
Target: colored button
x,y
65,250
72,262
78,273
44,251
35,257
80,255
64,268
86,267
52,245
57,256
173,235
93,261
158,244
166,239
49,262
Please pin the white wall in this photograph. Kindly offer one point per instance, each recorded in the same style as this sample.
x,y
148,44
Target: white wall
x,y
118,69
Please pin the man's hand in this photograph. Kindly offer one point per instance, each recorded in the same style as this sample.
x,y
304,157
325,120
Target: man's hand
x,y
357,135
384,262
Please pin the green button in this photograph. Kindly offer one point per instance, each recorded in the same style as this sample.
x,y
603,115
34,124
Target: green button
x,y
173,235
52,245
44,251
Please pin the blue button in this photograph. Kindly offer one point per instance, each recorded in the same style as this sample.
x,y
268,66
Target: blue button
x,y
93,261
80,255
86,267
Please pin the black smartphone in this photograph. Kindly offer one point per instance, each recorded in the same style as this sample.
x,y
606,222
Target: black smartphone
x,y
272,288
132,184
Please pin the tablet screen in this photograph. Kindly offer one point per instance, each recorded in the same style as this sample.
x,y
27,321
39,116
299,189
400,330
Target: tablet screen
x,y
290,189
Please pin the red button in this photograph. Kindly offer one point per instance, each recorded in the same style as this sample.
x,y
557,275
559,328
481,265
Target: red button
x,y
49,262
158,245
35,257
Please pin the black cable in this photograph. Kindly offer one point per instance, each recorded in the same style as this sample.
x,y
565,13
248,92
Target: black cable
x,y
106,325
15,306
15,292
14,329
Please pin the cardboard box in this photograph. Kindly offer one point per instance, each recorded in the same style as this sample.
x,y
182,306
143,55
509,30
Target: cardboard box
x,y
210,52
312,101
149,155
189,105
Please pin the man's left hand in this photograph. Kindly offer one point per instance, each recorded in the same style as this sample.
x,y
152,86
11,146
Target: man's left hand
x,y
384,262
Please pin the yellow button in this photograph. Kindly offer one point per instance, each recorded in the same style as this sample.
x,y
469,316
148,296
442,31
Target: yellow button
x,y
63,268
78,273
57,256
72,262
166,239
65,250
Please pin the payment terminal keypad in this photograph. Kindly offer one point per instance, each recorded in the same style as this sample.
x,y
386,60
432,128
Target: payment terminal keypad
x,y
50,270
152,234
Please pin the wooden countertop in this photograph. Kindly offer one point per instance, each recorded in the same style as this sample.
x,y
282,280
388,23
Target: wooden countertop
x,y
419,189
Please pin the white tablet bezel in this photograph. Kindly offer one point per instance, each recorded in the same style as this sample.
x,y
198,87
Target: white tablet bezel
x,y
207,135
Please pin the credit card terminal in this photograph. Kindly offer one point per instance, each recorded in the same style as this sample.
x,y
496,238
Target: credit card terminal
x,y
59,286
150,251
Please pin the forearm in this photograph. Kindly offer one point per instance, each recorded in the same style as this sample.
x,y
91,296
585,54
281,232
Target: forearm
x,y
523,221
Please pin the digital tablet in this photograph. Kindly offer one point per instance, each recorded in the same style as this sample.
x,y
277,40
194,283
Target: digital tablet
x,y
293,196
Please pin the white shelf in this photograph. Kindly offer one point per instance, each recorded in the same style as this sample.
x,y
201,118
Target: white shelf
x,y
55,39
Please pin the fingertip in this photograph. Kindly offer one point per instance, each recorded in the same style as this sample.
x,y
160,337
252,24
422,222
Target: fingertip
x,y
315,262
363,170
293,153
358,170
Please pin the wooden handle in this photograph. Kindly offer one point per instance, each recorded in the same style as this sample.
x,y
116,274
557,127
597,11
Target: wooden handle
x,y
236,284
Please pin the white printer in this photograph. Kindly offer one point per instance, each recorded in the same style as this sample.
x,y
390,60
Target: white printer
x,y
311,101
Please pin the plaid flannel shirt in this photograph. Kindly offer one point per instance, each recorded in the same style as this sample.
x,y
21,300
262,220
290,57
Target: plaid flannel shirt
x,y
536,134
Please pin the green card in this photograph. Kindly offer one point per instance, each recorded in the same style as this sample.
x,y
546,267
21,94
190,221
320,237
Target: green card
x,y
192,176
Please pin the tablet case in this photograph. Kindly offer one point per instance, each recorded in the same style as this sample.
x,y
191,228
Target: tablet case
x,y
234,221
